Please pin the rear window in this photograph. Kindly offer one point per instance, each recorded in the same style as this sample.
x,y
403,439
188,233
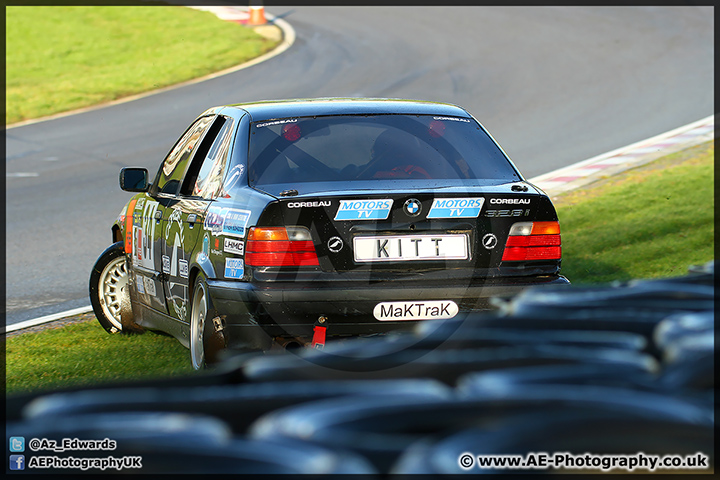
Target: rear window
x,y
352,148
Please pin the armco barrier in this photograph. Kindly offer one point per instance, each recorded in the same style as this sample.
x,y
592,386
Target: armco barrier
x,y
615,369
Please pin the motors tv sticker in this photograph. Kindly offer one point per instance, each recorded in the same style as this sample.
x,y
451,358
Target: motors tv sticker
x,y
393,311
456,208
364,209
234,268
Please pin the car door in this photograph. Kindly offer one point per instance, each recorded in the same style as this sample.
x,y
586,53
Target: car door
x,y
151,211
184,217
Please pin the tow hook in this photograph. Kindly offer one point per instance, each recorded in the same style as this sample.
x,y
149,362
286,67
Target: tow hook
x,y
319,330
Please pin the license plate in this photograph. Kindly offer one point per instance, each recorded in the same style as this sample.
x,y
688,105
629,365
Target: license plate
x,y
393,248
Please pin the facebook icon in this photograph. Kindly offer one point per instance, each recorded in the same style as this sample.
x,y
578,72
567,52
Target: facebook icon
x,y
17,462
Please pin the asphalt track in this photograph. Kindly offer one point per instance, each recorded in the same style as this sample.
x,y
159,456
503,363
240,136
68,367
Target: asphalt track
x,y
554,85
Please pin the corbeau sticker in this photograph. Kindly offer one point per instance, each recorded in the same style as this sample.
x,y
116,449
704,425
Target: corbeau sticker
x,y
234,267
324,203
234,246
276,122
454,119
415,310
364,209
140,284
510,201
456,208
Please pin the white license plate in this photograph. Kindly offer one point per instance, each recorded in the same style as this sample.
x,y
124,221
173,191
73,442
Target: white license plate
x,y
427,310
393,248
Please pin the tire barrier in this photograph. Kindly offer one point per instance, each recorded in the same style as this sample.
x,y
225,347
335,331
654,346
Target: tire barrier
x,y
382,427
602,433
616,369
224,401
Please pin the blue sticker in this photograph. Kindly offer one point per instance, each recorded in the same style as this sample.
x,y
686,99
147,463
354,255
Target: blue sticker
x,y
234,268
456,208
206,245
364,209
235,222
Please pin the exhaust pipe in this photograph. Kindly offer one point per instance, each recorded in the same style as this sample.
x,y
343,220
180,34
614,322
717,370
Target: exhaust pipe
x,y
290,343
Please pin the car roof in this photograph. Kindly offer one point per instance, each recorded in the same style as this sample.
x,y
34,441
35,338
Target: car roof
x,y
267,110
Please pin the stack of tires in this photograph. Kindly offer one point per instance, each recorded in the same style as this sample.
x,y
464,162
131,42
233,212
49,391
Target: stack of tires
x,y
617,369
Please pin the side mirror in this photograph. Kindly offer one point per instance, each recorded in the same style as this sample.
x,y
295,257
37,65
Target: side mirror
x,y
134,179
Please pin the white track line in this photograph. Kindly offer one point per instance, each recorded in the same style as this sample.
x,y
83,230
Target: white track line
x,y
582,173
46,319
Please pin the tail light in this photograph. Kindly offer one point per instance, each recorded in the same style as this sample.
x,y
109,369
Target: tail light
x,y
533,241
280,247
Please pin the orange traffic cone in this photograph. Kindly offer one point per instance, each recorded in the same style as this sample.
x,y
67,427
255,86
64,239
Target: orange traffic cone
x,y
257,16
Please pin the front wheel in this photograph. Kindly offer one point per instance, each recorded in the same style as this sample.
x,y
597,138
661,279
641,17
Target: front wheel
x,y
108,288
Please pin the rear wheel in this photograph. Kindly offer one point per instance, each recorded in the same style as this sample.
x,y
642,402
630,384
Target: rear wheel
x,y
207,336
198,320
108,288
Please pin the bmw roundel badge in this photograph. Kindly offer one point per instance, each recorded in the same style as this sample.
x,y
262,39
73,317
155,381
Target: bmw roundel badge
x,y
413,207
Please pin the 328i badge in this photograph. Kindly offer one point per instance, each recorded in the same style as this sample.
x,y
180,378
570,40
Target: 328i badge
x,y
374,214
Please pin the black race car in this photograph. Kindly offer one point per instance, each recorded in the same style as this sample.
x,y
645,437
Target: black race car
x,y
283,221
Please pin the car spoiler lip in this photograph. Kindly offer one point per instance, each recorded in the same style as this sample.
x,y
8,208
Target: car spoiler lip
x,y
314,190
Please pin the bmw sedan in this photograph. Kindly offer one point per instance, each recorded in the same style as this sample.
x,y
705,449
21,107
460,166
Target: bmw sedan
x,y
289,222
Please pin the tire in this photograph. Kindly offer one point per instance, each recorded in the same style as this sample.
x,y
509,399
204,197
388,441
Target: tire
x,y
206,342
109,294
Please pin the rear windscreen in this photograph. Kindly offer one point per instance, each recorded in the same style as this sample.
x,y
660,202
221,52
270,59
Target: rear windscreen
x,y
351,148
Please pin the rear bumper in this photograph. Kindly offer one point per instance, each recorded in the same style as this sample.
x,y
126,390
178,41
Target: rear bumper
x,y
290,309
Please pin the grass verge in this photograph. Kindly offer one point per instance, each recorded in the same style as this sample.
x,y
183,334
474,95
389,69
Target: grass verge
x,y
649,222
652,221
60,58
84,354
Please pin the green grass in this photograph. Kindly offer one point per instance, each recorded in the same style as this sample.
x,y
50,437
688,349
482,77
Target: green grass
x,y
650,222
653,221
67,57
83,354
